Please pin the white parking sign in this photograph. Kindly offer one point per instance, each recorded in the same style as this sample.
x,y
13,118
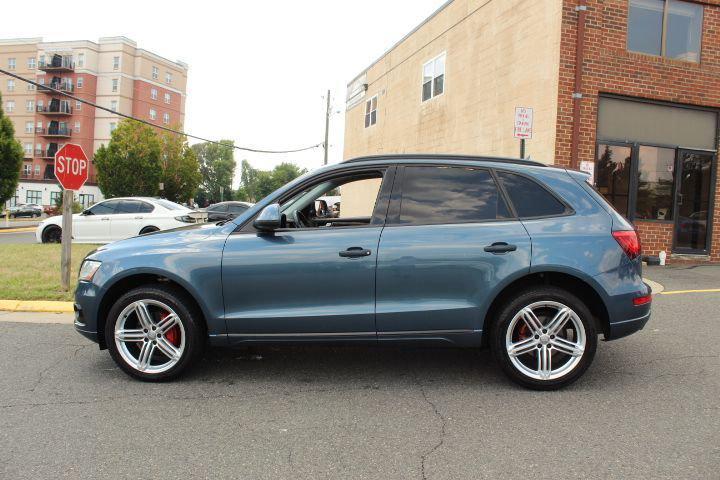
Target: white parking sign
x,y
523,122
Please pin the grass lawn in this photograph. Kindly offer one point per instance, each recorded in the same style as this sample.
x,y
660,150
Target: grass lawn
x,y
32,271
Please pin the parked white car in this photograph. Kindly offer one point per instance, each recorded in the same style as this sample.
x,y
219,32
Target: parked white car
x,y
118,218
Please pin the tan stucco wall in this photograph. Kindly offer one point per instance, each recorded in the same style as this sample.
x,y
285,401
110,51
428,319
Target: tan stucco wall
x,y
500,54
358,198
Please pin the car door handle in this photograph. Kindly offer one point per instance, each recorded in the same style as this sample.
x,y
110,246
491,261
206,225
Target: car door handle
x,y
500,248
105,218
139,218
355,252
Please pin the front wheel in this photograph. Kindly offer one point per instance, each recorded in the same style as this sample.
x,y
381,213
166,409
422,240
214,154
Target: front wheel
x,y
52,234
153,333
544,338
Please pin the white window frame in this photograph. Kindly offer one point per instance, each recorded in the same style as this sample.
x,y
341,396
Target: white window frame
x,y
166,118
116,63
10,106
31,63
81,60
155,73
28,149
11,85
30,106
113,105
154,93
78,106
153,114
27,169
77,126
115,85
167,98
80,82
432,82
113,126
369,111
168,77
29,127
12,63
37,171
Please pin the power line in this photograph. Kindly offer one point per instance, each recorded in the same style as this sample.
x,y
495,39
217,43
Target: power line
x,y
65,94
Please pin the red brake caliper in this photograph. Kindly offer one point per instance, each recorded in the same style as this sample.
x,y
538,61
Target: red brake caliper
x,y
172,335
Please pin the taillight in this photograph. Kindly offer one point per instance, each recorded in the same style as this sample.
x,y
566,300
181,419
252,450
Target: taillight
x,y
629,241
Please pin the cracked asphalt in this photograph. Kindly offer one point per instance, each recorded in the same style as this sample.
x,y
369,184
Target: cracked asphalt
x,y
649,407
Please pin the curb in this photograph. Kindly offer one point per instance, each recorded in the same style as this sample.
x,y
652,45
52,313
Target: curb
x,y
16,229
36,306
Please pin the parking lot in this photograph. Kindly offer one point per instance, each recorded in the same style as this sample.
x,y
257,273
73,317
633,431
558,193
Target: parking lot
x,y
649,407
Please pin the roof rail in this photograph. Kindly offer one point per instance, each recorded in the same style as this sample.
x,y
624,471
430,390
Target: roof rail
x,y
437,156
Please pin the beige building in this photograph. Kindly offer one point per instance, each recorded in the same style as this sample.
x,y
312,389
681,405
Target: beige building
x,y
112,72
452,84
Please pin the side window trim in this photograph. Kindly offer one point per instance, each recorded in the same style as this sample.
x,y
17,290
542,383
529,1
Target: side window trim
x,y
393,217
388,172
569,211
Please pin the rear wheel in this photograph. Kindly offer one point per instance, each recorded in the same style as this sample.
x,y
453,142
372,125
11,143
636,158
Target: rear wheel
x,y
52,234
544,338
148,230
153,333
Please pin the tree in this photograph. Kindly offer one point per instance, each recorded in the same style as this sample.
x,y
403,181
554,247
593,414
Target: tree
x,y
180,168
11,158
131,164
217,168
256,184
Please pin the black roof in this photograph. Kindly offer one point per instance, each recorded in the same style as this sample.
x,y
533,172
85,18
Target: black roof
x,y
436,156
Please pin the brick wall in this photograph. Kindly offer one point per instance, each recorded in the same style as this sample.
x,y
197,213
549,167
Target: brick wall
x,y
610,68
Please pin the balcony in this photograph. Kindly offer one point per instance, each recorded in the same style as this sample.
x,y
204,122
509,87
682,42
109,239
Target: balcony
x,y
54,132
61,86
55,110
57,64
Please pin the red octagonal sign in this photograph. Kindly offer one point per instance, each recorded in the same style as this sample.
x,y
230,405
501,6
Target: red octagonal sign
x,y
71,166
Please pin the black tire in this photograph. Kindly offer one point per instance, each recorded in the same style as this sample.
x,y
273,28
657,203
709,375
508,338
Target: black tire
x,y
148,230
52,234
192,323
532,296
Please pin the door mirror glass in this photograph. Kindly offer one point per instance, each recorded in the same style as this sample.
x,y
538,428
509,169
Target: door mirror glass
x,y
269,219
87,212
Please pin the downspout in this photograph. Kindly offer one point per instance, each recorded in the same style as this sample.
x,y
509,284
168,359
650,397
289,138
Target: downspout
x,y
581,8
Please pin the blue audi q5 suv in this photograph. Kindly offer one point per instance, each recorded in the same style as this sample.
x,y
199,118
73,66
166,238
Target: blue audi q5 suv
x,y
428,249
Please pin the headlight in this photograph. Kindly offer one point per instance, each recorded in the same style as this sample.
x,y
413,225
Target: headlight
x,y
88,269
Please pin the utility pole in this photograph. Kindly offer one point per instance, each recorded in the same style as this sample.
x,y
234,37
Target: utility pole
x,y
327,128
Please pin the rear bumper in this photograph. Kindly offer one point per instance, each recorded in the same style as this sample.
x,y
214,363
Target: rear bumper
x,y
627,327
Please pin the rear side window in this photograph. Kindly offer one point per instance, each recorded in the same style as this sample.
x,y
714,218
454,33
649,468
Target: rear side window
x,y
529,198
237,208
218,207
434,195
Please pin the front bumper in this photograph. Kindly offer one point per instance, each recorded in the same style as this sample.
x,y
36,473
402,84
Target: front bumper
x,y
86,306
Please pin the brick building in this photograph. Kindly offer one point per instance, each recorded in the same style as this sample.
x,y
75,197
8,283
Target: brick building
x,y
626,89
113,73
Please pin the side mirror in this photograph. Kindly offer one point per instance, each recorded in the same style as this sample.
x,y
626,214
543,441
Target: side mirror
x,y
270,218
86,212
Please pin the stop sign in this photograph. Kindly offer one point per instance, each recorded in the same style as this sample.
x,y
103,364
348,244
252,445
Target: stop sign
x,y
71,167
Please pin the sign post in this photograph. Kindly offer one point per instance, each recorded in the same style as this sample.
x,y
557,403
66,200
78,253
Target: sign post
x,y
71,170
523,126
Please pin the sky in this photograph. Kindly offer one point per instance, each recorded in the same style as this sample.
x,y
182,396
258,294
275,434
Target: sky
x,y
259,70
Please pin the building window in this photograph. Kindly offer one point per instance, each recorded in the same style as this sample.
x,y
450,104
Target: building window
x,y
34,196
371,112
655,176
37,172
668,28
10,85
168,77
30,105
153,93
81,60
115,84
11,64
55,198
166,118
39,150
153,114
113,126
10,106
113,105
433,78
167,98
28,150
77,127
155,73
29,127
30,87
80,82
27,170
86,199
613,175
31,63
116,63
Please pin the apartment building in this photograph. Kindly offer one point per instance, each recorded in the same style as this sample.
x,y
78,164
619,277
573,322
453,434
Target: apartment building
x,y
628,90
112,72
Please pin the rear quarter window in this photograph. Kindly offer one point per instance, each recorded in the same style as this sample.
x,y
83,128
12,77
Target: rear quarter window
x,y
529,197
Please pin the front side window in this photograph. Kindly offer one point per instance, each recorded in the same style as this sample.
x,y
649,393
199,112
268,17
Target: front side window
x,y
529,198
668,28
448,195
433,78
371,112
105,208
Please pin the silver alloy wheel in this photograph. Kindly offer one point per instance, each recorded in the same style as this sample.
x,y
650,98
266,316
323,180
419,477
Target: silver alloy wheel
x,y
545,340
149,336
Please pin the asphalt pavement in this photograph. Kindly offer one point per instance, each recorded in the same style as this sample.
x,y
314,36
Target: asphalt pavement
x,y
649,407
17,237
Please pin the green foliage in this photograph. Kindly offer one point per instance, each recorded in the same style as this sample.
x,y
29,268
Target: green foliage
x,y
11,158
131,164
257,184
181,171
76,206
217,168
